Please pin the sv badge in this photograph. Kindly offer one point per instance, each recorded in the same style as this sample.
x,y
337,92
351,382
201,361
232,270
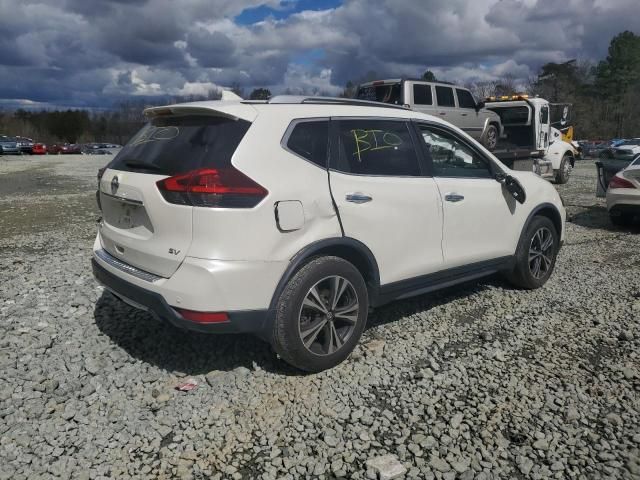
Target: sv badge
x,y
173,251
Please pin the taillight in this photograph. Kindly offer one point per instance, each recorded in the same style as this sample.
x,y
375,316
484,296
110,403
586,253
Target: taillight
x,y
619,182
203,317
212,187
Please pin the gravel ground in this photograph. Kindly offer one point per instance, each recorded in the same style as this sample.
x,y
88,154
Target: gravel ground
x,y
478,381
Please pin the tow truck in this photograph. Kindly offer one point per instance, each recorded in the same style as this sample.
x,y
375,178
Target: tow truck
x,y
532,139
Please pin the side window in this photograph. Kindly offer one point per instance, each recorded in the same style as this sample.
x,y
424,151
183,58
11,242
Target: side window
x,y
452,158
376,147
445,96
422,94
309,139
544,114
465,99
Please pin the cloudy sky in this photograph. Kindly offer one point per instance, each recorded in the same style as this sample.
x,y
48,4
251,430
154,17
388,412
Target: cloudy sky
x,y
92,53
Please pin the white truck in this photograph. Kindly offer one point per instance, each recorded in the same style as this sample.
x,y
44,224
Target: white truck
x,y
531,139
517,129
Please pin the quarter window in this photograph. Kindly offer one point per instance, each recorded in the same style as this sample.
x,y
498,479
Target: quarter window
x,y
376,147
310,140
422,94
445,96
465,99
451,157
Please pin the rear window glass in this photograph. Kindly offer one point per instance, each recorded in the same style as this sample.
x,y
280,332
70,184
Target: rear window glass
x,y
513,115
178,144
389,93
445,96
309,140
422,95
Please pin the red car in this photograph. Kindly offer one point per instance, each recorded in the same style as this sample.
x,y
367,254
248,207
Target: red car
x,y
39,149
67,148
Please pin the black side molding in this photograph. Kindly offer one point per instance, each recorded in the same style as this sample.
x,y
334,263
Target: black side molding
x,y
442,279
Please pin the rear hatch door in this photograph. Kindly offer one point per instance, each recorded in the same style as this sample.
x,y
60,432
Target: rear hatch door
x,y
140,226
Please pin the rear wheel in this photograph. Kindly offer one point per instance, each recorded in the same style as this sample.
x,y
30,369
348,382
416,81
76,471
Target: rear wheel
x,y
321,314
562,174
536,254
490,140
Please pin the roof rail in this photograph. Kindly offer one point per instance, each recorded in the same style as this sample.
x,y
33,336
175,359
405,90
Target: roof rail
x,y
300,99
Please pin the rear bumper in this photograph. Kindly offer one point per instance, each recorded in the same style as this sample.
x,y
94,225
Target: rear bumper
x,y
622,201
246,321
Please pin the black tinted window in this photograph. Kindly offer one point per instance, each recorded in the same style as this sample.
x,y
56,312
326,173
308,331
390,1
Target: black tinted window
x,y
309,140
445,96
386,93
465,99
178,144
451,157
376,147
422,95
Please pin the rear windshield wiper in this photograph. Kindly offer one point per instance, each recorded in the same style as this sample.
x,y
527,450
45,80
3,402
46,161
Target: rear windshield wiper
x,y
142,165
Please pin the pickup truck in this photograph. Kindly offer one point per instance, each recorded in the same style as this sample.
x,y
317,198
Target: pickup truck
x,y
454,104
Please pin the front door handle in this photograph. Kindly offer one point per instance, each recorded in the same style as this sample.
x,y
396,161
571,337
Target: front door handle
x,y
453,197
357,197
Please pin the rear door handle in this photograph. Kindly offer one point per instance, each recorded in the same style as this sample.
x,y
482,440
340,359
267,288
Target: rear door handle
x,y
357,197
464,114
453,197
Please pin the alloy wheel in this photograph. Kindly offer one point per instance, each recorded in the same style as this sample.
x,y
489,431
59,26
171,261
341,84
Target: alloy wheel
x,y
491,138
328,315
541,253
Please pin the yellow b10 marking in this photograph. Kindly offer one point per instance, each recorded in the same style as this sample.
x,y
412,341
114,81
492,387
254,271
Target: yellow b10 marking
x,y
372,140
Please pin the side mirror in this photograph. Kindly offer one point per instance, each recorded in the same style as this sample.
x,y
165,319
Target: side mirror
x,y
513,186
479,105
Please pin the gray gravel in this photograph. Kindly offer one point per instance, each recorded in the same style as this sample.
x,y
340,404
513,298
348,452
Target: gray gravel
x,y
477,382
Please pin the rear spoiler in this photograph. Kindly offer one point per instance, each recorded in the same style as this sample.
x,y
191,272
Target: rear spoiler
x,y
231,110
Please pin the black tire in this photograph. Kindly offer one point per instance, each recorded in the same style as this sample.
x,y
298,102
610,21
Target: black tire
x,y
562,175
490,139
523,275
621,220
289,320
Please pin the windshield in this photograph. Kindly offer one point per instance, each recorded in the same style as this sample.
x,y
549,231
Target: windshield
x,y
385,93
177,144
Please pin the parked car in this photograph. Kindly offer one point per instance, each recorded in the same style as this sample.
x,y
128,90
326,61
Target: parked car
x,y
9,145
626,150
39,149
623,194
96,149
449,102
25,144
357,204
66,148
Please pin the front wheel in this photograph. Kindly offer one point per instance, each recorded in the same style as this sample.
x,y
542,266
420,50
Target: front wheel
x,y
562,174
536,254
321,314
490,140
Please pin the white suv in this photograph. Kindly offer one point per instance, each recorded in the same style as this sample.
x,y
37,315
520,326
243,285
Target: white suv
x,y
291,218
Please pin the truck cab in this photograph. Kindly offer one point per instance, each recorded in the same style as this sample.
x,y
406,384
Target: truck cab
x,y
449,102
530,138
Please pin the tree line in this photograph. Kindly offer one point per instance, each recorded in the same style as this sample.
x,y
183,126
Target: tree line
x,y
604,96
